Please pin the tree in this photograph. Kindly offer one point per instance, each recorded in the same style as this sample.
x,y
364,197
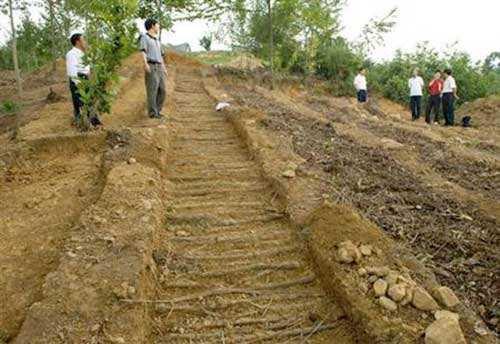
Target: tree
x,y
206,42
8,7
112,35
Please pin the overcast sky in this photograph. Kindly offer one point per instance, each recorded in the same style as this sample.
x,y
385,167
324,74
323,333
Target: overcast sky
x,y
475,25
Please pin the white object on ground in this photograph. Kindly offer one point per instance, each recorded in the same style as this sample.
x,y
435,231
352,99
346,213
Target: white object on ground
x,y
222,105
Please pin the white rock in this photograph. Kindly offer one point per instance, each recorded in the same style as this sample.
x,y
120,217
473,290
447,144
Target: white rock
x,y
132,161
289,174
366,250
387,303
444,331
397,292
446,297
446,314
380,287
423,300
380,271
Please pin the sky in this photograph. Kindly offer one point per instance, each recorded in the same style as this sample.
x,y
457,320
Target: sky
x,y
475,25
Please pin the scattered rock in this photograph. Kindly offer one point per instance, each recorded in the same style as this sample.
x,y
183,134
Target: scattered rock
x,y
362,272
423,300
444,331
446,314
366,250
343,256
446,297
182,233
372,278
397,292
132,161
388,304
348,252
380,287
131,292
392,278
408,296
379,271
288,174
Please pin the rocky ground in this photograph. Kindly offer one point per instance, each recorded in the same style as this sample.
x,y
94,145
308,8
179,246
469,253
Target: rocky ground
x,y
290,217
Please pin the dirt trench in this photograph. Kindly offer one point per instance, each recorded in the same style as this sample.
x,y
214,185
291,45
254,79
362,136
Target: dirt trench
x,y
232,268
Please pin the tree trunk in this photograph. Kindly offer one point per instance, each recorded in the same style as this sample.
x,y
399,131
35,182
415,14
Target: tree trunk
x,y
14,49
271,40
53,48
158,9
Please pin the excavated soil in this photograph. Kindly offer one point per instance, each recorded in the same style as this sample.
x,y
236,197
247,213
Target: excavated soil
x,y
457,237
232,268
228,265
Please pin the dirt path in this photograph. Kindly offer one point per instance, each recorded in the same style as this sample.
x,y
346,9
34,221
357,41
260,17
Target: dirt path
x,y
232,268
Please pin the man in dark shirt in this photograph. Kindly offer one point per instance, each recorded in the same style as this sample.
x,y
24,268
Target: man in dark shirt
x,y
154,67
434,103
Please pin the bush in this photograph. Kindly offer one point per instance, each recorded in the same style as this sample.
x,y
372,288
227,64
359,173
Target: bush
x,y
391,78
9,107
336,62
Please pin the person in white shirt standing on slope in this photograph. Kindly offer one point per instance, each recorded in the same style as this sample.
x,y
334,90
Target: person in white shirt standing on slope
x,y
415,84
76,71
449,96
361,86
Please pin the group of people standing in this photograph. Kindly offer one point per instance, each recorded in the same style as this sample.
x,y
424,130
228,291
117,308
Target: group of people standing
x,y
442,91
154,67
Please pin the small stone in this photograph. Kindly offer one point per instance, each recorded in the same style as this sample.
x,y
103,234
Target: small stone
x,y
71,254
182,233
131,292
380,287
444,331
381,271
408,296
446,314
387,304
348,252
392,278
366,250
362,272
423,301
288,174
397,292
95,328
132,161
372,278
446,297
343,256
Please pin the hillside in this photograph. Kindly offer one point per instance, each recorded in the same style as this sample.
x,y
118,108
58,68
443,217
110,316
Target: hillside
x,y
275,220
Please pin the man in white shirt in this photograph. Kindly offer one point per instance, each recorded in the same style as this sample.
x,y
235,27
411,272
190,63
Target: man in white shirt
x,y
361,86
415,85
76,71
449,96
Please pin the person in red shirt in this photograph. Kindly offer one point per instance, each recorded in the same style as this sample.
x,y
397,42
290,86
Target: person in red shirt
x,y
434,103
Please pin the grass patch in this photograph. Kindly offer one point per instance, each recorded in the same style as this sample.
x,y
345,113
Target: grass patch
x,y
214,57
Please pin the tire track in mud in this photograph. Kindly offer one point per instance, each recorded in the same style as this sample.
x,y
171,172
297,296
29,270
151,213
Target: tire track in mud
x,y
231,268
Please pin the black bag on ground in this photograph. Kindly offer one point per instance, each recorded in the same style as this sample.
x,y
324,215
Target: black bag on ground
x,y
466,121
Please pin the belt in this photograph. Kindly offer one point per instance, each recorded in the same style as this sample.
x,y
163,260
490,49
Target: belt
x,y
153,62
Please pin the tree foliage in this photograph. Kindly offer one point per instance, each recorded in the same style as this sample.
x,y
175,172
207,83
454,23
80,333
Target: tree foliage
x,y
111,35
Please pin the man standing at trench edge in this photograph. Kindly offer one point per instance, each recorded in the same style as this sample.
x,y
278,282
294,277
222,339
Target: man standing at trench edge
x,y
154,67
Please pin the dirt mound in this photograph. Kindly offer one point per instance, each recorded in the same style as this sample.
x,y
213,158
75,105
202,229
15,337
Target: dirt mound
x,y
484,112
245,62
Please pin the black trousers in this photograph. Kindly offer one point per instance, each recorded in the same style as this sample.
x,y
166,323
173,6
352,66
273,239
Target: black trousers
x,y
415,106
77,100
362,96
433,107
449,108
